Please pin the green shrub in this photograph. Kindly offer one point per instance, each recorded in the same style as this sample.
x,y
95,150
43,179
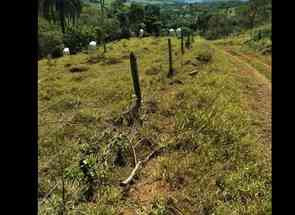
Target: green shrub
x,y
261,40
78,38
50,39
205,55
262,33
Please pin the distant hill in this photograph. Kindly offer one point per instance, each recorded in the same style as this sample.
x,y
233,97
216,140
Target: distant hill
x,y
168,1
182,1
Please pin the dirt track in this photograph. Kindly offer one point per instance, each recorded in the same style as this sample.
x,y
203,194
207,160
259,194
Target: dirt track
x,y
258,95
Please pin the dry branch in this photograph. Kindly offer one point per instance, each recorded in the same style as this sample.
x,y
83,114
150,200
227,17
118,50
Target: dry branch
x,y
48,194
133,173
139,165
134,154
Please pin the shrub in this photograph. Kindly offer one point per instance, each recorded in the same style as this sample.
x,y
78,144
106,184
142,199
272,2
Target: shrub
x,y
261,40
78,38
50,39
262,33
205,56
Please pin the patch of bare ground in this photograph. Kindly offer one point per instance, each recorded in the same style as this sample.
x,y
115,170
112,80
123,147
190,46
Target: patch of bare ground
x,y
128,211
147,188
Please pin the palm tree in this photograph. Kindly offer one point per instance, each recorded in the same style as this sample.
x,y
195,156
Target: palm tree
x,y
65,11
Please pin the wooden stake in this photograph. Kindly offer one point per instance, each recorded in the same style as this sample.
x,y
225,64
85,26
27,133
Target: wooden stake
x,y
135,78
170,72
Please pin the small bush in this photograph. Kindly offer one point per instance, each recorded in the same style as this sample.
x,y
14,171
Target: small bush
x,y
261,40
205,56
77,39
262,33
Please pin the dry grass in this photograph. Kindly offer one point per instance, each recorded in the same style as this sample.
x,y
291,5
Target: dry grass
x,y
214,160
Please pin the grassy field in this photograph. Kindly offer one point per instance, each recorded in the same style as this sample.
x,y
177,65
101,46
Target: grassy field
x,y
211,118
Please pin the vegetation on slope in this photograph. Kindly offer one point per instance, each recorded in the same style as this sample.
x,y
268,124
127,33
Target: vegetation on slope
x,y
253,46
217,154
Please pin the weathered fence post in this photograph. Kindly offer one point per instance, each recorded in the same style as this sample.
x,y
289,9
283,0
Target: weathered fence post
x,y
182,47
187,44
171,71
135,78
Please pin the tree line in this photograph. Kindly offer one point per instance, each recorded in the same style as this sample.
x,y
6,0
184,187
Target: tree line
x,y
73,23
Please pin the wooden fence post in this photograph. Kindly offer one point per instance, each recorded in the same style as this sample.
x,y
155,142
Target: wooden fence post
x,y
171,71
135,78
182,45
187,44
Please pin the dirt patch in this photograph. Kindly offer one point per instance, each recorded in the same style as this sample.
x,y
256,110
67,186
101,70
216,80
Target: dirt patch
x,y
95,59
78,68
145,192
111,60
128,211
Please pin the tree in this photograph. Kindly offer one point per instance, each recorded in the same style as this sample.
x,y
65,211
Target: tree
x,y
124,24
116,7
258,9
136,15
152,18
102,6
64,11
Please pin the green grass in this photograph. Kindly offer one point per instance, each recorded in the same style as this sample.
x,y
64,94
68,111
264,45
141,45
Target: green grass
x,y
253,49
214,162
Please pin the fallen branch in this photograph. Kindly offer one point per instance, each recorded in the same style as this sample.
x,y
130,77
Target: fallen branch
x,y
134,154
139,165
133,173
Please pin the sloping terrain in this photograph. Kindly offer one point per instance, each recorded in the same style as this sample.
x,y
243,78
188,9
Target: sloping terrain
x,y
212,120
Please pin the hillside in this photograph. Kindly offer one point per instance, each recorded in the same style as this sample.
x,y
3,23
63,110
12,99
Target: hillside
x,y
212,122
169,1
